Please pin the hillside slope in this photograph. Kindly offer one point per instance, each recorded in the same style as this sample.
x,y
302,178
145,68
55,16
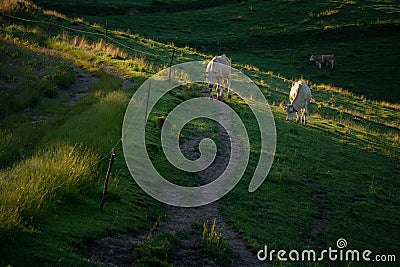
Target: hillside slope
x,y
336,177
278,36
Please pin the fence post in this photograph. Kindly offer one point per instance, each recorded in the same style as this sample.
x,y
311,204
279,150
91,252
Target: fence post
x,y
170,64
49,28
106,35
147,106
112,157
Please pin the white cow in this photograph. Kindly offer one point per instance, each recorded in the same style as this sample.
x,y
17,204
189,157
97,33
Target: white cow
x,y
300,96
218,72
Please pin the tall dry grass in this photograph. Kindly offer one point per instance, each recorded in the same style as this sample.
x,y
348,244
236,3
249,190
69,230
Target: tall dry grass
x,y
11,6
99,45
125,62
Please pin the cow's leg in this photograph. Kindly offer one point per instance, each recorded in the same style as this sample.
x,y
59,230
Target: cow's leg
x,y
229,88
319,65
219,91
210,87
298,116
304,115
332,63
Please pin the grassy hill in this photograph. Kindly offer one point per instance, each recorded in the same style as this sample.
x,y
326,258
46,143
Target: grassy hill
x,y
278,36
337,177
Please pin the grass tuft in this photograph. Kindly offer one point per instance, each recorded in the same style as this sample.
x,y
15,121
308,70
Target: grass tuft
x,y
214,244
156,251
36,184
9,148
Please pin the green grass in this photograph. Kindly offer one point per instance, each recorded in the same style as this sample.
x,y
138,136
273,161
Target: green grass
x,y
50,197
350,160
156,251
9,148
27,76
362,35
214,246
349,151
57,209
53,223
30,82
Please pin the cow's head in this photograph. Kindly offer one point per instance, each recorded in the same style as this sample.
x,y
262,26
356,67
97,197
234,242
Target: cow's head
x,y
211,78
312,58
290,111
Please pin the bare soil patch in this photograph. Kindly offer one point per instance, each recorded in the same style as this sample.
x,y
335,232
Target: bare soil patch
x,y
79,89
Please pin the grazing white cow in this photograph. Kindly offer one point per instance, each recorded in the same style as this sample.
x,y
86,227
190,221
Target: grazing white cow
x,y
300,96
218,72
318,59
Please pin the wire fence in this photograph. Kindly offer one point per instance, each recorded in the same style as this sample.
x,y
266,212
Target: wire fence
x,y
104,34
100,35
114,40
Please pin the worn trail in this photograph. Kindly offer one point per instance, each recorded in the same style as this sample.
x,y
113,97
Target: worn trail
x,y
118,250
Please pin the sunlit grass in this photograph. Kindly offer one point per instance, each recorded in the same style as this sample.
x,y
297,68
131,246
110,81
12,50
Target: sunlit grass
x,y
214,245
15,5
37,183
348,150
103,118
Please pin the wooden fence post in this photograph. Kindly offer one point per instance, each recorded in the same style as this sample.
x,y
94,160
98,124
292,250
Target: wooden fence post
x,y
112,157
170,64
106,31
147,106
49,28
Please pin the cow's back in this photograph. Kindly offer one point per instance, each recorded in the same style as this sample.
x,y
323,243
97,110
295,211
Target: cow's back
x,y
222,60
294,91
306,90
218,59
300,95
222,68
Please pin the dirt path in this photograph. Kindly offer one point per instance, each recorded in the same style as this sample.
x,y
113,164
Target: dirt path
x,y
84,80
118,250
68,96
79,89
322,220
